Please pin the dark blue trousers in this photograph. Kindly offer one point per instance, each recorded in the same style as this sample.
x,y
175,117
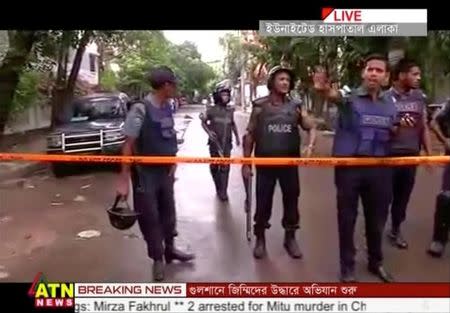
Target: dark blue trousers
x,y
374,186
266,179
220,173
153,197
403,180
441,225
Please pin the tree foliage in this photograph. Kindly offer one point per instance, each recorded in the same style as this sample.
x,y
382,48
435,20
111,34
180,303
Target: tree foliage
x,y
152,49
27,92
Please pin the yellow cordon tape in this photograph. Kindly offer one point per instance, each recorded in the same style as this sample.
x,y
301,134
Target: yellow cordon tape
x,y
321,162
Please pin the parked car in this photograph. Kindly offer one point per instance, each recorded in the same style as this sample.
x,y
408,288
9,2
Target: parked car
x,y
94,126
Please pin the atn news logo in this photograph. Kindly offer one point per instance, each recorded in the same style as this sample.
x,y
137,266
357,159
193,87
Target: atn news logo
x,y
51,295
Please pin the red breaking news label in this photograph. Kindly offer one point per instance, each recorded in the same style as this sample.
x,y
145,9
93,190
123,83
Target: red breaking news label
x,y
327,290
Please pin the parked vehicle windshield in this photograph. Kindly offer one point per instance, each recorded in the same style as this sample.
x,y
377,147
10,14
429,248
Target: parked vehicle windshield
x,y
98,108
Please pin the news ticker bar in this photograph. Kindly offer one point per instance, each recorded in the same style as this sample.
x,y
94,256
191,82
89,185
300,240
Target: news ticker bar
x,y
324,29
179,305
268,290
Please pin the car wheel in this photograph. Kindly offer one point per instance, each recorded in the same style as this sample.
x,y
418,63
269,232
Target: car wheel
x,y
60,170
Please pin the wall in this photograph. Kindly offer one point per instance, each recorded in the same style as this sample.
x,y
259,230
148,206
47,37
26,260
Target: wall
x,y
35,117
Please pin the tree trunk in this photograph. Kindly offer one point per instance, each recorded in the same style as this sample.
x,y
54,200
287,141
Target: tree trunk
x,y
64,88
20,45
60,83
101,59
77,64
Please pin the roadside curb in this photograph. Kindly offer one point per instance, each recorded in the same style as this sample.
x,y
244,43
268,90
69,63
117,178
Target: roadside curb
x,y
23,171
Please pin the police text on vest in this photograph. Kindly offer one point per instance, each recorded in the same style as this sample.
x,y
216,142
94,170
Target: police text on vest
x,y
280,128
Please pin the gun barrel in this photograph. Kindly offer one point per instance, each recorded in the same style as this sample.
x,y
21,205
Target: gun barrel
x,y
248,205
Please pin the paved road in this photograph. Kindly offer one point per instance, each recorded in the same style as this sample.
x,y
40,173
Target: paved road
x,y
37,235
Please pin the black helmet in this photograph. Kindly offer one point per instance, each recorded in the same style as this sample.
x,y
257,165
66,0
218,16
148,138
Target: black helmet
x,y
122,217
277,69
219,89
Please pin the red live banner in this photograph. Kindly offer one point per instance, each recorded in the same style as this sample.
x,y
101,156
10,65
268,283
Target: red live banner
x,y
314,290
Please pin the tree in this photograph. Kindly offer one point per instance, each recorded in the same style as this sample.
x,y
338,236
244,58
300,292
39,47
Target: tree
x,y
58,45
152,49
235,56
11,67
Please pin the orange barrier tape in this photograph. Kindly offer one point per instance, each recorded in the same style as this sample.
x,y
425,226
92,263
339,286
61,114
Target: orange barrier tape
x,y
321,162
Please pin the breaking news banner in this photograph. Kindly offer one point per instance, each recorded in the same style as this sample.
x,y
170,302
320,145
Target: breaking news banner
x,y
353,22
240,297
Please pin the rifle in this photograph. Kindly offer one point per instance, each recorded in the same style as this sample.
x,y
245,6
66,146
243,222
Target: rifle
x,y
216,142
248,206
218,146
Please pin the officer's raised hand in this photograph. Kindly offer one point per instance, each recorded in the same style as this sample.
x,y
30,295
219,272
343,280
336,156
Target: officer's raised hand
x,y
323,86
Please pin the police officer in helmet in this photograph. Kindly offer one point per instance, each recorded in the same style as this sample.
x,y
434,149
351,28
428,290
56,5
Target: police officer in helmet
x,y
218,122
149,131
411,103
273,132
441,126
367,122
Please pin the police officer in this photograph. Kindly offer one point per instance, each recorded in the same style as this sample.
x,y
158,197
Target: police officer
x,y
366,123
273,131
149,130
218,122
410,102
441,126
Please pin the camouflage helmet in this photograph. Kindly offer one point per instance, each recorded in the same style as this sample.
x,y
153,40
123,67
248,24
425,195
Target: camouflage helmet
x,y
122,218
278,69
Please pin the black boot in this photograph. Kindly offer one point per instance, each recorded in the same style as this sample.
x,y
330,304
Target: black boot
x,y
381,273
223,185
291,245
171,253
436,249
347,276
259,252
216,180
396,238
158,270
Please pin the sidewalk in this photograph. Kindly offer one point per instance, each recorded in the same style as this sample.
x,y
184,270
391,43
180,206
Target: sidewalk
x,y
29,142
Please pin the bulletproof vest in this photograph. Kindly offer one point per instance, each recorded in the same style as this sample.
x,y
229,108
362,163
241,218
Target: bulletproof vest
x,y
408,139
157,136
277,133
363,128
221,123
